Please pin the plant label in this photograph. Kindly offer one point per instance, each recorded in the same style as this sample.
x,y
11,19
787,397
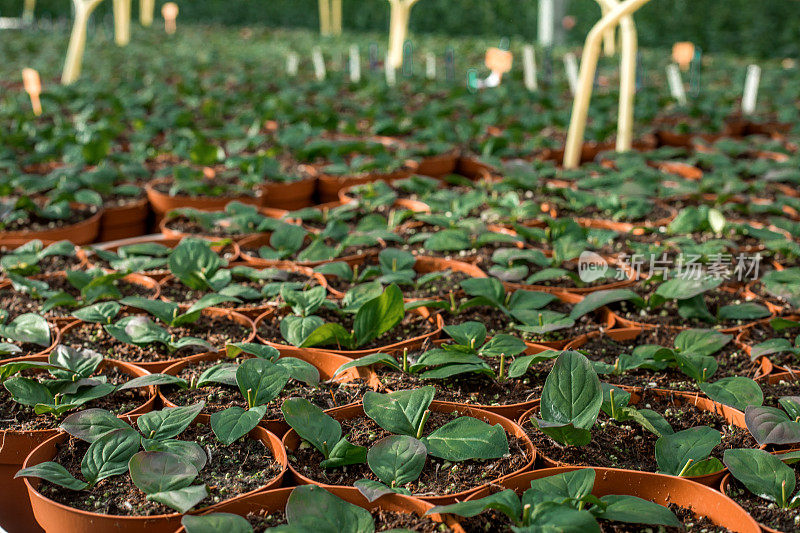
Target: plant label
x,y
430,66
33,86
571,67
499,61
676,83
292,62
546,23
355,64
750,95
683,54
170,13
319,63
529,67
391,73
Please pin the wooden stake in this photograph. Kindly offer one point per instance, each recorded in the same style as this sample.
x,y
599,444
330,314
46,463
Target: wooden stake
x,y
33,86
751,89
170,13
571,68
546,22
336,17
676,83
529,67
391,73
324,17
430,66
122,22
292,62
146,10
355,64
77,40
28,9
319,63
400,14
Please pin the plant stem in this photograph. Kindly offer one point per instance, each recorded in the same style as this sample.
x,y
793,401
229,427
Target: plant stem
x,y
526,515
685,467
405,360
249,398
422,424
783,494
501,375
613,410
452,302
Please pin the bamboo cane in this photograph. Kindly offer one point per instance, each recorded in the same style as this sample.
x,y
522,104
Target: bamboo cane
x,y
77,40
146,11
122,22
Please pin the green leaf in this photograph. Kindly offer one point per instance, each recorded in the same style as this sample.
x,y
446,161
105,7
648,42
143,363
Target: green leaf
x,y
743,311
769,425
762,473
300,370
297,329
260,381
182,500
28,391
313,508
259,350
686,288
109,454
28,327
692,445
467,438
551,516
91,424
83,362
376,358
187,450
99,313
634,510
343,454
576,484
193,262
216,522
151,380
701,341
154,472
471,334
399,412
234,422
521,364
736,391
54,473
312,424
598,299
505,501
501,344
169,422
397,459
572,393
379,315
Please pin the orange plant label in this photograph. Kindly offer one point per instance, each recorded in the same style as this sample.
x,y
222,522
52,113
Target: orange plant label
x,y
683,53
499,61
33,86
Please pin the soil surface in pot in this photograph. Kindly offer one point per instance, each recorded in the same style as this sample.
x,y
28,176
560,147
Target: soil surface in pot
x,y
762,332
184,225
473,388
667,313
49,264
233,470
765,512
17,303
32,222
731,360
497,322
494,521
384,521
628,445
411,326
177,292
18,417
219,397
216,330
437,478
774,391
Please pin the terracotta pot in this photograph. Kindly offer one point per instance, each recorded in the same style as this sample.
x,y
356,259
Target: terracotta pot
x,y
162,203
356,354
124,221
425,264
83,232
472,167
58,518
326,363
658,488
254,311
159,366
15,508
671,138
437,166
684,170
328,186
637,228
271,501
291,441
723,488
262,239
12,244
159,238
293,195
768,128
732,416
346,196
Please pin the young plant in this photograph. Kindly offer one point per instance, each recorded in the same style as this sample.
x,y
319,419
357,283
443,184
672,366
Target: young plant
x,y
770,425
400,458
70,387
165,471
559,500
93,285
765,475
260,379
24,260
26,328
135,257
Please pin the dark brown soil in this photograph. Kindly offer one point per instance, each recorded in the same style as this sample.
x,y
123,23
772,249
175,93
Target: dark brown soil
x,y
438,477
384,521
189,227
761,332
765,512
20,417
50,264
628,445
732,361
17,303
216,330
231,471
774,391
219,397
411,326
